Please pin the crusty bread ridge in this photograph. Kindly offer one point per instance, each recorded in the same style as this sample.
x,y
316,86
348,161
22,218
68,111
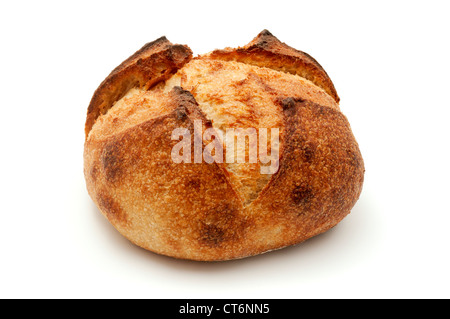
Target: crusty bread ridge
x,y
153,63
219,211
267,51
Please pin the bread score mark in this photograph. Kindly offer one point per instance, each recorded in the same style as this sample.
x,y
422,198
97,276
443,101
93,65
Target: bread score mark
x,y
235,145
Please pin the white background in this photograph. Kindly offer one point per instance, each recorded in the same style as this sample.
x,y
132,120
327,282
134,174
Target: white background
x,y
389,61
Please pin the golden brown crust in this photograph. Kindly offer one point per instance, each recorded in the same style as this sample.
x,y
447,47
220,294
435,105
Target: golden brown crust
x,y
153,63
267,51
320,177
195,213
194,210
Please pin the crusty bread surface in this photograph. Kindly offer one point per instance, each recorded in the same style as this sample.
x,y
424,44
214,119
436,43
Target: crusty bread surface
x,y
220,211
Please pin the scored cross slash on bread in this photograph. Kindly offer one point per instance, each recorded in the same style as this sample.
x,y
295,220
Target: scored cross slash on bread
x,y
220,211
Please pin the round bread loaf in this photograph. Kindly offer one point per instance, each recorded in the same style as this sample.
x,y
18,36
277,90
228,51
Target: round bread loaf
x,y
161,166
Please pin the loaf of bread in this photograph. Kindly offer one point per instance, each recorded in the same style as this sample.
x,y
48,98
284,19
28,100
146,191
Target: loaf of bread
x,y
161,167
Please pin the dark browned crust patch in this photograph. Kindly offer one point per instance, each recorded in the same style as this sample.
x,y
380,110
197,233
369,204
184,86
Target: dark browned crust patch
x,y
111,208
153,63
267,51
112,161
302,194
